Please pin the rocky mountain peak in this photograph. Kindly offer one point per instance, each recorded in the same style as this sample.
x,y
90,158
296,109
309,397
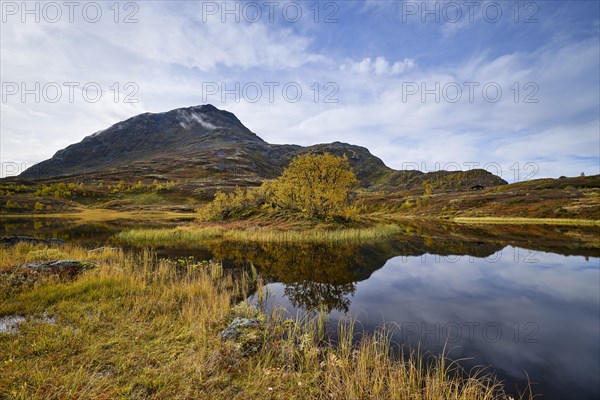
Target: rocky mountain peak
x,y
207,147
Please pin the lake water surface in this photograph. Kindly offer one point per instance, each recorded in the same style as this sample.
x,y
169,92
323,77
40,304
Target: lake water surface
x,y
522,302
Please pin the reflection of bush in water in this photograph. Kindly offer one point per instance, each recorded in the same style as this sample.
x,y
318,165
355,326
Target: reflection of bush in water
x,y
314,295
316,275
325,275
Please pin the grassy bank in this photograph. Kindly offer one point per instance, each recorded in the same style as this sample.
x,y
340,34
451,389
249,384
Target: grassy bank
x,y
526,221
189,236
137,327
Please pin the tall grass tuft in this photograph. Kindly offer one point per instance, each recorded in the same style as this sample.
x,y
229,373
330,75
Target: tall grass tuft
x,y
168,237
193,236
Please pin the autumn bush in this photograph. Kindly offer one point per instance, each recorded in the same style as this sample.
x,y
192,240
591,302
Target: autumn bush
x,y
316,186
234,205
58,190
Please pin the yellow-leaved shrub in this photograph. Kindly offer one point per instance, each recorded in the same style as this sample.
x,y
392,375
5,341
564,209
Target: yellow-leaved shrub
x,y
319,186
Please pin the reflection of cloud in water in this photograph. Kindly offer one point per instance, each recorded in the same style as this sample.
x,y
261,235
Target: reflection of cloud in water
x,y
553,275
547,312
558,295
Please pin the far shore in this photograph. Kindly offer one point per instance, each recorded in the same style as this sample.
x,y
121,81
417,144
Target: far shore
x,y
526,221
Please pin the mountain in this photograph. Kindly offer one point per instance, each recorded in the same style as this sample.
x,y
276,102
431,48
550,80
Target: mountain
x,y
205,147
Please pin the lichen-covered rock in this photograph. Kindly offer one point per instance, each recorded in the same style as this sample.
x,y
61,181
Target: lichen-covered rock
x,y
238,326
59,266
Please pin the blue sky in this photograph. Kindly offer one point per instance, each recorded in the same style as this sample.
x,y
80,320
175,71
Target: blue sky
x,y
418,88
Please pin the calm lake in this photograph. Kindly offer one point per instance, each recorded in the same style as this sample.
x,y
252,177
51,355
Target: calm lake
x,y
518,301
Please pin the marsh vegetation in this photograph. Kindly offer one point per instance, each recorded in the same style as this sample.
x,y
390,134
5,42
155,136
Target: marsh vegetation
x,y
137,326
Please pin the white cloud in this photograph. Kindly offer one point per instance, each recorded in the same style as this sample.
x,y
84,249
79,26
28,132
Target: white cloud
x,y
167,56
379,67
191,42
560,136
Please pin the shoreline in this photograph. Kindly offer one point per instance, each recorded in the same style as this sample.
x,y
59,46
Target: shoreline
x,y
526,221
170,328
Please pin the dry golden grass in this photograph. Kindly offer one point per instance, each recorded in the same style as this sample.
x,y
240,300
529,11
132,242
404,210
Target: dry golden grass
x,y
138,327
190,236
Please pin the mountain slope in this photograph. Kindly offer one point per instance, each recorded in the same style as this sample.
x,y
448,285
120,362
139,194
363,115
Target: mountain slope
x,y
146,137
205,147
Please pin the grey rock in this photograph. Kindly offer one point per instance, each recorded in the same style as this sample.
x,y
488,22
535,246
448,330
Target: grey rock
x,y
59,266
238,326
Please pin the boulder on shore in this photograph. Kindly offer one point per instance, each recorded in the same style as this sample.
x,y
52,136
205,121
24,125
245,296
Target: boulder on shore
x,y
238,326
68,266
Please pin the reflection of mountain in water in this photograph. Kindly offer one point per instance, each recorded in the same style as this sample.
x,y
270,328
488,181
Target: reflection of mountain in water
x,y
319,275
326,275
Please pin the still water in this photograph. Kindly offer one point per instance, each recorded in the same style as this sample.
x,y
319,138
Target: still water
x,y
536,315
519,302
